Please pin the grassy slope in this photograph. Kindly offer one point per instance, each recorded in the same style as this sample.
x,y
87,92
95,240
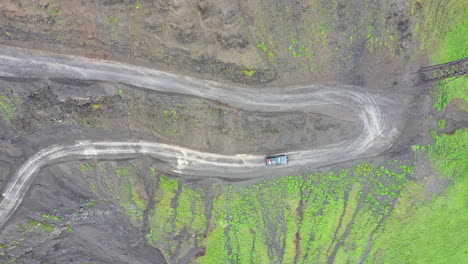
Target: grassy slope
x,y
305,219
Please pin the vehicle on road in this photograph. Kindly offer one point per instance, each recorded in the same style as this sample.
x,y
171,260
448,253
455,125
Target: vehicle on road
x,y
276,160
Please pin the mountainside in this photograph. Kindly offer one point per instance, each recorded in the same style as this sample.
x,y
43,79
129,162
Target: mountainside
x,y
405,204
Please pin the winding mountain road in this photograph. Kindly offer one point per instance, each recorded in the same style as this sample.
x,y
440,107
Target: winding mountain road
x,y
377,129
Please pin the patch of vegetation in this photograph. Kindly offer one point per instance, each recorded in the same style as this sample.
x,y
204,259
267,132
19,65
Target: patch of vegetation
x,y
34,226
249,72
90,204
128,196
53,217
70,229
31,223
441,123
111,19
163,213
46,227
261,45
299,51
450,90
449,153
171,112
120,183
86,166
6,107
55,12
114,24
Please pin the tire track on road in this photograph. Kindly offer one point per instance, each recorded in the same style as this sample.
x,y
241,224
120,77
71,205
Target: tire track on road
x,y
376,131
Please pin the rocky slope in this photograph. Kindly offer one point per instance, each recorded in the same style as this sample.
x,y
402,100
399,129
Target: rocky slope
x,y
404,205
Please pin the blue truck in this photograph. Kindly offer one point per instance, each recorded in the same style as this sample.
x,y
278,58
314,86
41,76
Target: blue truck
x,y
276,160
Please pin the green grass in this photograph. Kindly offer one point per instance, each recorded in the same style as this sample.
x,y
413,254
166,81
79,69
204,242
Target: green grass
x,y
428,233
449,153
190,210
47,227
298,50
55,12
90,204
34,226
86,166
70,229
111,19
215,243
31,223
162,215
6,107
249,72
53,217
441,123
262,46
127,196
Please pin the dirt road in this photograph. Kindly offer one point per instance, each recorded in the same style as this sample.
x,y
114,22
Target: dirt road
x,y
378,128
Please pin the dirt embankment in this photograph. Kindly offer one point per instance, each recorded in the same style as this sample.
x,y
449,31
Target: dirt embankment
x,y
202,37
249,42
